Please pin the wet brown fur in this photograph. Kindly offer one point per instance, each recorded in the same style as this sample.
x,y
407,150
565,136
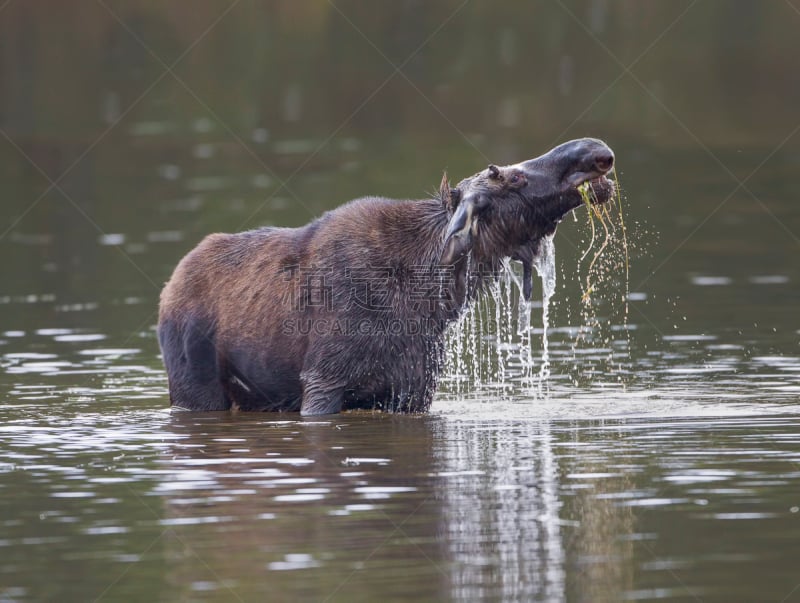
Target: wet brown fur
x,y
232,316
225,284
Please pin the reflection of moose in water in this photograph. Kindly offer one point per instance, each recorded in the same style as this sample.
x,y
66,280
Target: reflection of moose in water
x,y
350,311
445,510
518,528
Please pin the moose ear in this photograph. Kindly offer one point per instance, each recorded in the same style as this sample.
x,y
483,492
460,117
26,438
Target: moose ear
x,y
450,197
460,229
445,193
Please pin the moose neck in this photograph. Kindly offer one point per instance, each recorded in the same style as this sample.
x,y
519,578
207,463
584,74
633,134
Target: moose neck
x,y
416,241
516,235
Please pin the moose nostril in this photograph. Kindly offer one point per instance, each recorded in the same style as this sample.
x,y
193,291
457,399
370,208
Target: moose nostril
x,y
604,161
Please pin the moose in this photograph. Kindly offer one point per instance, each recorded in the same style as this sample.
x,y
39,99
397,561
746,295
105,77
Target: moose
x,y
351,310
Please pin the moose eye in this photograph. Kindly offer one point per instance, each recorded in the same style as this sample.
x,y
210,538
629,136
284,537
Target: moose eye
x,y
516,180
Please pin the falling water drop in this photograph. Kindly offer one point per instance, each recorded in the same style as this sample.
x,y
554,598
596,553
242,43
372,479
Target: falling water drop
x,y
524,330
545,264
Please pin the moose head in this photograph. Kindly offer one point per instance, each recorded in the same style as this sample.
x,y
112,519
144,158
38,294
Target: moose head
x,y
504,211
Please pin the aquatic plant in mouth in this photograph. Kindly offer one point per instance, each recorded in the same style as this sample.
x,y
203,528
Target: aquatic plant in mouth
x,y
607,221
604,269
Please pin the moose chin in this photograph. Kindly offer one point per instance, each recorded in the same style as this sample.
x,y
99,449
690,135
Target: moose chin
x,y
351,310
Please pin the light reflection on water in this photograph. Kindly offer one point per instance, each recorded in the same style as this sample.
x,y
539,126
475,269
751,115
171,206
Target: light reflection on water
x,y
602,491
688,374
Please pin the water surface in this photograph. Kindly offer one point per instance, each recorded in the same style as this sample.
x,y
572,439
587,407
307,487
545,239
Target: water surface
x,y
659,461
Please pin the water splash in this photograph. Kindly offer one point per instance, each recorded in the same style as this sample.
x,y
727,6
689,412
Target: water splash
x,y
545,264
471,362
524,330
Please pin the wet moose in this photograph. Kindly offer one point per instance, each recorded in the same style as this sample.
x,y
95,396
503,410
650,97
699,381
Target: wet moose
x,y
350,311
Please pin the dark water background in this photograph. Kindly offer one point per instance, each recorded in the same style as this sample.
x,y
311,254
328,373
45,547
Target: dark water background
x,y
663,461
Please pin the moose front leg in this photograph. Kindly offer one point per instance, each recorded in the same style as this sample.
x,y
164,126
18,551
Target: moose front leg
x,y
320,396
